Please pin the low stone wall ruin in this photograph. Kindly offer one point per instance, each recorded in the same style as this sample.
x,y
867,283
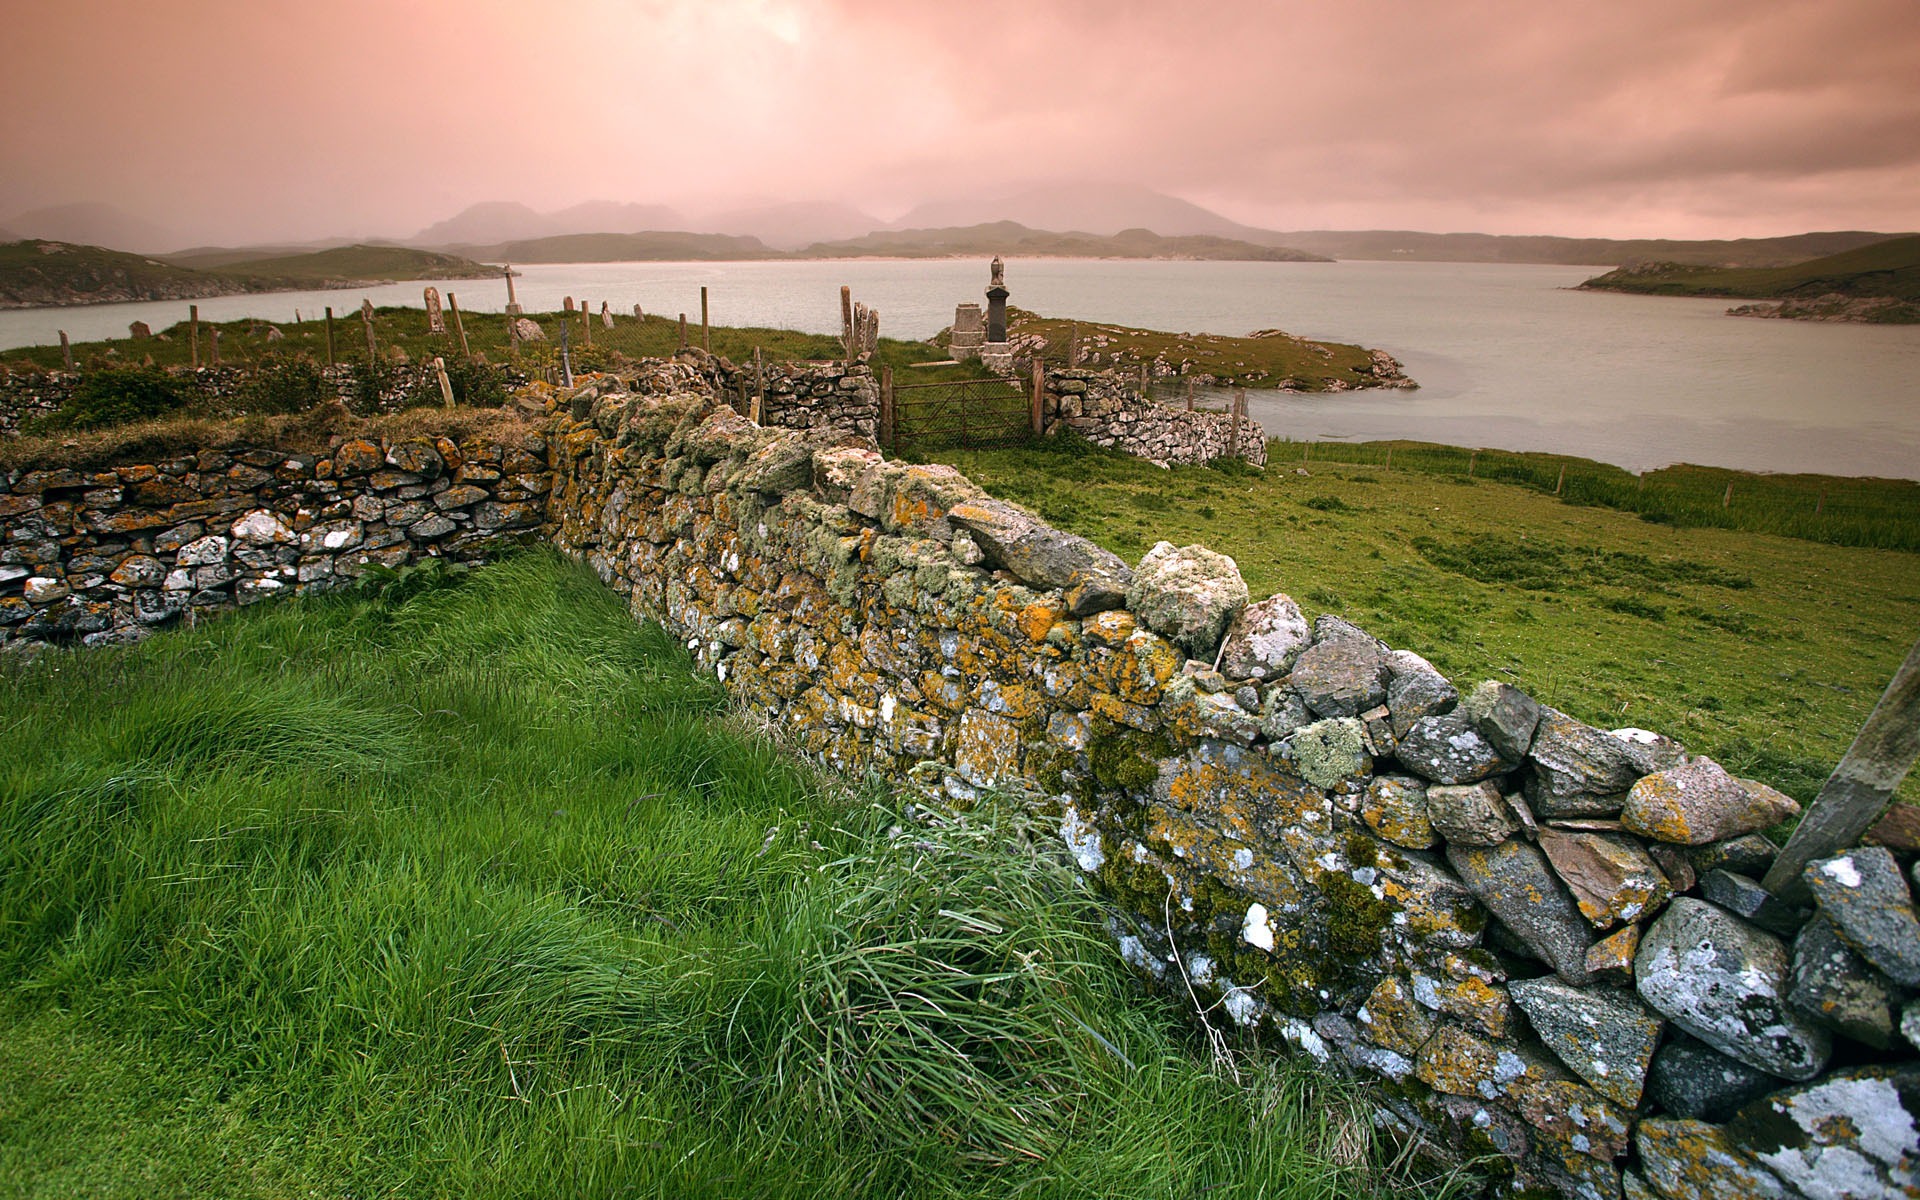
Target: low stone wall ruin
x,y
1105,408
1543,941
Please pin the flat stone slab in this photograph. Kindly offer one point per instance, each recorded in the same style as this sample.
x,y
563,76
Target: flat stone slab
x,y
1726,983
1606,1037
1341,676
1514,881
1611,877
1866,896
1836,987
1692,1160
1578,770
1851,1134
1449,749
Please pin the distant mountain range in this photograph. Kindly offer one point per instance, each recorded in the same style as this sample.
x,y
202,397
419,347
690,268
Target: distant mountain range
x,y
1059,216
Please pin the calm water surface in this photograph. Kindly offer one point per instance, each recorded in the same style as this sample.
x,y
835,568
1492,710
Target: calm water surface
x,y
1506,356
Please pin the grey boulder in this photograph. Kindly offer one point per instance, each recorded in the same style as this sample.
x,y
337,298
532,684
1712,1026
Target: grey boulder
x,y
1265,639
1866,896
1044,557
1515,883
1605,1037
1726,983
1578,771
1834,986
1415,689
1187,594
1448,749
1343,675
1691,1079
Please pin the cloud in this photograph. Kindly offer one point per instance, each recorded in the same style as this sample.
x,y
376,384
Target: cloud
x,y
1679,117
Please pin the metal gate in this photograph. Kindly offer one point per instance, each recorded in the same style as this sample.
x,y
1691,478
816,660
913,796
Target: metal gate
x,y
966,414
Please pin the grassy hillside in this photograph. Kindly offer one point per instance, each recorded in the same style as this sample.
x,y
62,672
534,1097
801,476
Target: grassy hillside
x,y
1008,238
475,890
1765,652
43,273
1886,269
1412,246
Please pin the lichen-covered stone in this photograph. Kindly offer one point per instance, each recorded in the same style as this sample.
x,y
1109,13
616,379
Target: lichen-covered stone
x,y
1470,814
1610,960
1746,899
1331,752
1044,557
1852,1134
1265,639
1698,802
1341,676
1692,1160
1725,982
1392,1018
1576,1116
1578,771
1610,876
1691,1079
1749,854
1605,1037
1504,715
1395,807
1836,987
1866,897
1188,594
1514,881
1415,689
1649,751
1448,749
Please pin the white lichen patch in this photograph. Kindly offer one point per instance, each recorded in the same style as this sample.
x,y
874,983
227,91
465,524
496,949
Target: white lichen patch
x,y
1841,871
1082,839
1257,929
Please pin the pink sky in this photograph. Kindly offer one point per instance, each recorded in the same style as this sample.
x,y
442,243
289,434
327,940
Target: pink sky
x,y
229,121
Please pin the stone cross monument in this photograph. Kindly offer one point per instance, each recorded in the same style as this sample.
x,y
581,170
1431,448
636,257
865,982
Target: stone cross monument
x,y
513,305
997,302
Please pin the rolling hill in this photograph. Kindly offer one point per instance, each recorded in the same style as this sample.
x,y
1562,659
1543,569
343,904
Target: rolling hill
x,y
39,273
625,247
1878,283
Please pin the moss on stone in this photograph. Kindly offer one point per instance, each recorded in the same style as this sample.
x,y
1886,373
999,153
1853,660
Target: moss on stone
x,y
1355,916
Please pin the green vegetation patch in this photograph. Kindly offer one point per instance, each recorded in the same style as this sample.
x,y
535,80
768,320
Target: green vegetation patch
x,y
467,885
1884,269
1271,359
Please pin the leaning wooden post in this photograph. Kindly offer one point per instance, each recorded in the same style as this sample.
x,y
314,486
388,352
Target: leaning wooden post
x,y
446,385
1562,481
1862,785
459,326
66,350
683,331
193,333
1726,501
847,341
886,407
706,331
1472,458
586,326
759,408
1143,382
1038,413
329,335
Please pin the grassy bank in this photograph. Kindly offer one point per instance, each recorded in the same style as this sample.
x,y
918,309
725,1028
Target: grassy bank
x,y
1766,652
478,891
1889,269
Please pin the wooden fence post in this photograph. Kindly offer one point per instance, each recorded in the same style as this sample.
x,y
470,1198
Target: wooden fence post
x,y
1860,788
886,407
446,385
1073,343
586,326
759,408
366,319
1189,395
459,327
1726,501
1037,413
193,333
329,335
1562,481
706,330
1239,411
1472,457
683,331
66,351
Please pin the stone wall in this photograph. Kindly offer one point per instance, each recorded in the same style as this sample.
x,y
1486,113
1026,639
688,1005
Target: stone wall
x,y
107,554
1105,407
1542,941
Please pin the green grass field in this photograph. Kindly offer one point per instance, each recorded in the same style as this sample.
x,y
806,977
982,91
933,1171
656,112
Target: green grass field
x,y
1765,652
478,891
1890,268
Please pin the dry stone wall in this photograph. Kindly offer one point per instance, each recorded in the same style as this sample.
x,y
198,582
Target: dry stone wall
x,y
109,554
1542,941
1105,408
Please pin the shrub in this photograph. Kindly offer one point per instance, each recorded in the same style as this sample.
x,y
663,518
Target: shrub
x,y
116,395
285,385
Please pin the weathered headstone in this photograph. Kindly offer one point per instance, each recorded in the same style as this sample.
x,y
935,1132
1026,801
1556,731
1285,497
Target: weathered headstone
x,y
969,330
568,304
606,315
638,314
140,331
366,318
435,322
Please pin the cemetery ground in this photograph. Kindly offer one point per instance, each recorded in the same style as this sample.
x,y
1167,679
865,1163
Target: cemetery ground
x,y
1765,652
469,886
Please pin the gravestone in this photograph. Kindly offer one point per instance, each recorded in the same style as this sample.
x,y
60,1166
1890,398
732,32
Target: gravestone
x,y
637,314
969,331
995,354
569,304
606,315
139,331
435,322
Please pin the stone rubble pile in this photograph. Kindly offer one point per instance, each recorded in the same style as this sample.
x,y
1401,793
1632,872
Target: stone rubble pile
x,y
1105,408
